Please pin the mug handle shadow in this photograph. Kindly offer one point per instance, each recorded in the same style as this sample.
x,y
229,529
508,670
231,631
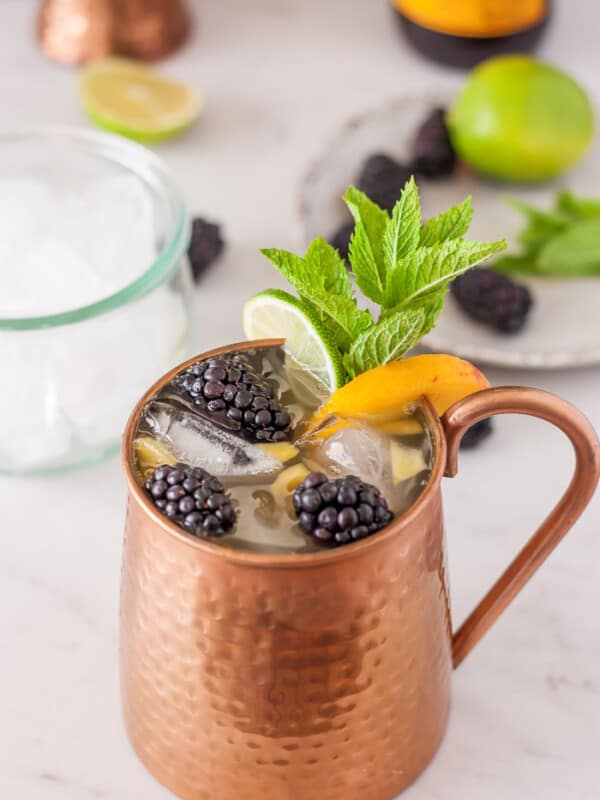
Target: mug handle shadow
x,y
536,403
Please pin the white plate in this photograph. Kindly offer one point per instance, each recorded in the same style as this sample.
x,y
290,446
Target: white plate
x,y
563,329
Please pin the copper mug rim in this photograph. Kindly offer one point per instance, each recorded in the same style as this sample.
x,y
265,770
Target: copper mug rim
x,y
277,560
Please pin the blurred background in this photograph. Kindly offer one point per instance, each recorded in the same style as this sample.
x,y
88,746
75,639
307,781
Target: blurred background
x,y
268,111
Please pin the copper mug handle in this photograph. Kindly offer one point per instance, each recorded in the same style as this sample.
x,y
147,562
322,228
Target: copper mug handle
x,y
537,403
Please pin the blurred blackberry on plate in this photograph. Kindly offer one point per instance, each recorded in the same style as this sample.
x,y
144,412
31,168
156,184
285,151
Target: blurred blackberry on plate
x,y
476,434
230,390
382,179
492,299
192,498
341,238
433,154
340,510
206,245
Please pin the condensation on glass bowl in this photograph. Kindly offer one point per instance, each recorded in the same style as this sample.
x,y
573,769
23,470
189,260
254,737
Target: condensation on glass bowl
x,y
563,329
72,374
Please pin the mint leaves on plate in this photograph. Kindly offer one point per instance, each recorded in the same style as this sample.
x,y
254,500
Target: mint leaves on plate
x,y
401,264
564,241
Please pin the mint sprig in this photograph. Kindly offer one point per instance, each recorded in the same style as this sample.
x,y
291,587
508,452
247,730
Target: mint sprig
x,y
562,241
398,262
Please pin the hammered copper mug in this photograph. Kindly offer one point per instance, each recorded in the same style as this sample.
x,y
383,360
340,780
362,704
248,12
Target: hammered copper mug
x,y
326,675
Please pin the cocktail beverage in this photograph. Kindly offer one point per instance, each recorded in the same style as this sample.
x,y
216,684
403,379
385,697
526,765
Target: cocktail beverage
x,y
285,615
226,451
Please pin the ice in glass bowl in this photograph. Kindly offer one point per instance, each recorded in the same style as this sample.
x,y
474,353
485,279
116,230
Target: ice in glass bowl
x,y
93,286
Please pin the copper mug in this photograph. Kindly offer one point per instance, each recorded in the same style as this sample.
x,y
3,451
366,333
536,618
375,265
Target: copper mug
x,y
326,675
76,31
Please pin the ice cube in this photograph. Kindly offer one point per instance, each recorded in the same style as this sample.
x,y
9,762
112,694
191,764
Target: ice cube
x,y
353,449
60,250
34,430
50,276
127,349
356,448
73,386
196,441
122,206
24,206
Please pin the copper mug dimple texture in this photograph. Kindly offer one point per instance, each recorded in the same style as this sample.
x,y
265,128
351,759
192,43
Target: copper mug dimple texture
x,y
282,676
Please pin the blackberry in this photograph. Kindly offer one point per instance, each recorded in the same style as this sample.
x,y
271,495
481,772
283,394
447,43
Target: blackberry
x,y
231,392
340,510
192,498
433,154
206,246
493,299
341,239
476,434
382,179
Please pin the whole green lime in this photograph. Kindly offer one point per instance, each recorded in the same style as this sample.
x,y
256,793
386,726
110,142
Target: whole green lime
x,y
520,120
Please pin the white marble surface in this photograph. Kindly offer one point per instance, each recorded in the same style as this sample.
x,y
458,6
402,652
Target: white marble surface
x,y
278,78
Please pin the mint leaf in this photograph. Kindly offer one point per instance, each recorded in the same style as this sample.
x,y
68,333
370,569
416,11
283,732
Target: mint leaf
x,y
403,230
577,207
576,251
452,224
562,241
366,245
535,235
386,341
432,309
541,225
364,264
322,282
322,269
295,270
324,260
429,269
341,316
513,263
338,335
536,214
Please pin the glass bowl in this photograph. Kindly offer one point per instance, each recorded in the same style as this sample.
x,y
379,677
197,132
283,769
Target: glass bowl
x,y
71,375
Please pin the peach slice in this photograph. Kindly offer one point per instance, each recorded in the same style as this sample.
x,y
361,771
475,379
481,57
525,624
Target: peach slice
x,y
149,454
405,426
406,462
385,393
280,451
287,481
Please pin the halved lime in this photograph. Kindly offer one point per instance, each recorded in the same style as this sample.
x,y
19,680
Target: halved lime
x,y
274,314
127,98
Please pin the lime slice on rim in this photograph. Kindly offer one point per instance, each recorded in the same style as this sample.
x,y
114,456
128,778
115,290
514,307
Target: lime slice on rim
x,y
127,98
275,314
